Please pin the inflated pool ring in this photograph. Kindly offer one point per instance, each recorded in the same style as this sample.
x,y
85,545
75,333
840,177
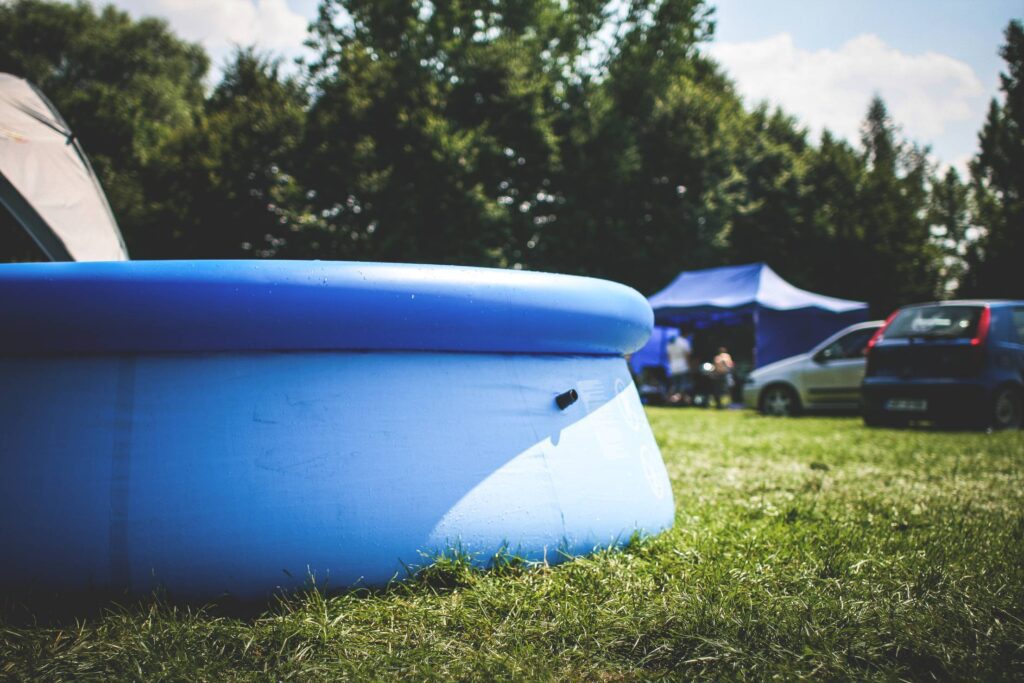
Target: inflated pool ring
x,y
236,427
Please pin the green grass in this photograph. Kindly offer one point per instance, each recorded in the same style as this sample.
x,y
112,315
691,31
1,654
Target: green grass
x,y
802,548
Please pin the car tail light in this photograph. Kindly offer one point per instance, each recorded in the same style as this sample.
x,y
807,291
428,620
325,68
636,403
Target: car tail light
x,y
983,324
877,336
978,354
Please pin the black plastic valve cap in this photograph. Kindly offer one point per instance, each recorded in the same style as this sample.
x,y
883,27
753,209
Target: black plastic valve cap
x,y
566,399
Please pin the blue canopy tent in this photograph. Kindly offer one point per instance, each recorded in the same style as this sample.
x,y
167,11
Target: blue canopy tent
x,y
786,320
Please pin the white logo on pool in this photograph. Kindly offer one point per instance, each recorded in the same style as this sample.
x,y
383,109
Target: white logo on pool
x,y
629,405
650,460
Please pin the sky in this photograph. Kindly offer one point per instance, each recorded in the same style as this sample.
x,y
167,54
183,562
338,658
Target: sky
x,y
934,62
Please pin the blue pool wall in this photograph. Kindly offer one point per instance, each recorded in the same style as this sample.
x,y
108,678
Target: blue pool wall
x,y
167,457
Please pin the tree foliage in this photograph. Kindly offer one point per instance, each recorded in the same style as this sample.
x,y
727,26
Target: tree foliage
x,y
891,252
222,175
435,128
949,219
579,136
997,173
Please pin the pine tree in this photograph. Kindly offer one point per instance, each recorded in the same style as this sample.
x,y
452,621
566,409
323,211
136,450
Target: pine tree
x,y
997,174
949,222
894,264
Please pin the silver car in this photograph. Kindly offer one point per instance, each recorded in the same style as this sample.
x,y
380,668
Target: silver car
x,y
827,377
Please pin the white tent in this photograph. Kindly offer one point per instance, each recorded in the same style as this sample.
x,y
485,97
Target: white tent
x,y
46,181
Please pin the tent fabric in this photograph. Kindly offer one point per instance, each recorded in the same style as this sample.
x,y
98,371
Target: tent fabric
x,y
654,352
781,334
787,320
46,181
739,286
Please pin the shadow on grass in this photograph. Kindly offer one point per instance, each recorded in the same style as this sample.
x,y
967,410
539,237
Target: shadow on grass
x,y
439,573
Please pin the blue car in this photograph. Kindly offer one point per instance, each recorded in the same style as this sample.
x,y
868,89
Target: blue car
x,y
952,362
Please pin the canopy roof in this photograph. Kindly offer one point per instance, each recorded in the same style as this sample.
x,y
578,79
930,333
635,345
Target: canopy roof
x,y
732,287
46,181
786,320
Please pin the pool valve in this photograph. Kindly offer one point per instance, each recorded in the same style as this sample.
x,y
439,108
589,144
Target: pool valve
x,y
566,399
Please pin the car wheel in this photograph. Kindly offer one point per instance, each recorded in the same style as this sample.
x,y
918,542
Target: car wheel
x,y
780,401
1007,409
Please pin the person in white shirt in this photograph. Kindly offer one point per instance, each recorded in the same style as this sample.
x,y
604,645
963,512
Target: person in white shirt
x,y
679,351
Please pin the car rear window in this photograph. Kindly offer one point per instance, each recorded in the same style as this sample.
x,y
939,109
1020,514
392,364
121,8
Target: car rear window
x,y
935,322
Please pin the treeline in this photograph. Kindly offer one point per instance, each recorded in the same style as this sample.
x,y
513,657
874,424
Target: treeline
x,y
555,135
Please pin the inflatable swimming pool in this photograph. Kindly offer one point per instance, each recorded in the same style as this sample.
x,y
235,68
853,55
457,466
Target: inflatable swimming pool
x,y
235,427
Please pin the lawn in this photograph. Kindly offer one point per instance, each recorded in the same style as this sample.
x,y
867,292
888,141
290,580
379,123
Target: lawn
x,y
802,548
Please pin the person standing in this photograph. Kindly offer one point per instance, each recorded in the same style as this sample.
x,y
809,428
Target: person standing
x,y
679,351
723,374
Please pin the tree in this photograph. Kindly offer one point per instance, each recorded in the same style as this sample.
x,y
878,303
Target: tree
x,y
432,133
835,238
889,253
771,222
224,178
949,220
997,174
644,188
504,133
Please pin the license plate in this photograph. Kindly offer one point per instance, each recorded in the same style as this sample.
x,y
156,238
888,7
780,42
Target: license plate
x,y
907,405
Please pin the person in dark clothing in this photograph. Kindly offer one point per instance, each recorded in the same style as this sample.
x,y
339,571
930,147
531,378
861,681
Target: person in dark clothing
x,y
722,375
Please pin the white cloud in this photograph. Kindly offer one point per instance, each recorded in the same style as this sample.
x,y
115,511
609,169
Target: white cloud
x,y
926,93
220,24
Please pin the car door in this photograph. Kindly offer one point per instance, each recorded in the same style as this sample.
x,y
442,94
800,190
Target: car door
x,y
1017,343
832,379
